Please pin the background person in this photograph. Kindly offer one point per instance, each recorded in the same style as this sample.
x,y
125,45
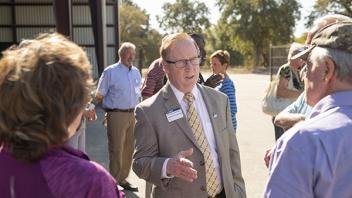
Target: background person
x,y
119,92
78,140
154,79
295,112
44,86
187,148
290,84
213,80
220,61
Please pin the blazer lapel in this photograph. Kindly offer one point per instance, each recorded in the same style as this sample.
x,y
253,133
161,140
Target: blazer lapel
x,y
171,104
214,116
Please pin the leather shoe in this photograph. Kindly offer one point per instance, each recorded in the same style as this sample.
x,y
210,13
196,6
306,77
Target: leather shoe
x,y
129,187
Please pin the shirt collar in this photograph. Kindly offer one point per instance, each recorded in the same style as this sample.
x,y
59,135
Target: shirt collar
x,y
124,66
336,99
179,94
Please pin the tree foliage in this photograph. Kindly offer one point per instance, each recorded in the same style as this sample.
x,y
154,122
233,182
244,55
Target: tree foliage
x,y
133,21
213,43
184,16
323,7
134,28
255,24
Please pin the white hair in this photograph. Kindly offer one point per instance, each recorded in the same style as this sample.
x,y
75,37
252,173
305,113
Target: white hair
x,y
342,60
124,47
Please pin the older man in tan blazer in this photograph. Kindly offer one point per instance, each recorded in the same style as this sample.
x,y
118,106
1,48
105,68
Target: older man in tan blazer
x,y
185,142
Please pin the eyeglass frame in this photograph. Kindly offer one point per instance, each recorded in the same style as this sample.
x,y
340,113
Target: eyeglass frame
x,y
185,62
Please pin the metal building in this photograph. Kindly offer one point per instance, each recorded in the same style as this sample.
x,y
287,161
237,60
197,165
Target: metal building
x,y
93,24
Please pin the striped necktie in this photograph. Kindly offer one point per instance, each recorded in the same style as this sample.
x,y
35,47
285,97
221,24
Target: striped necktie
x,y
194,122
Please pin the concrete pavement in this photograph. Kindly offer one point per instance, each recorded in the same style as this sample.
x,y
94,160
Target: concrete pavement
x,y
255,134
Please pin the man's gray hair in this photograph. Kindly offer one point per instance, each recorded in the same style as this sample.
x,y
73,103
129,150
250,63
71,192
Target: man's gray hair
x,y
125,47
342,60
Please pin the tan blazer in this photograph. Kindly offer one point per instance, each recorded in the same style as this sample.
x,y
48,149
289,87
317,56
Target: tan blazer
x,y
158,139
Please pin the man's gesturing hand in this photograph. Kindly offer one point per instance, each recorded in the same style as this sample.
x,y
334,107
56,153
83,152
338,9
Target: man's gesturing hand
x,y
181,167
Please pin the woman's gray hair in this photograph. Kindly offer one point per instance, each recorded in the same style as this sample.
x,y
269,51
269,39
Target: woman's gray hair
x,y
342,60
124,47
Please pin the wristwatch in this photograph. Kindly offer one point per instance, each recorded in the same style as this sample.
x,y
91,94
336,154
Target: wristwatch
x,y
89,107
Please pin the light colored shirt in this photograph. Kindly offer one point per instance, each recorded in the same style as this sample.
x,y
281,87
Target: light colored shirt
x,y
120,87
299,106
314,158
205,122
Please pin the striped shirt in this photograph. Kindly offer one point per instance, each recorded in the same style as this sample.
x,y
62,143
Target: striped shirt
x,y
227,87
154,79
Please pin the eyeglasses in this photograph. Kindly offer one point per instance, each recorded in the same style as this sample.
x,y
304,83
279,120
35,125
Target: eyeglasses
x,y
183,63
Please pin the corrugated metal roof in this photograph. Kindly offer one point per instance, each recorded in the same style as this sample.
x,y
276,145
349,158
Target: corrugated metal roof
x,y
5,15
6,35
83,35
81,15
34,15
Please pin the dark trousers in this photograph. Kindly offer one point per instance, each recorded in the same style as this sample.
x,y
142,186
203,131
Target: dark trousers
x,y
278,130
221,194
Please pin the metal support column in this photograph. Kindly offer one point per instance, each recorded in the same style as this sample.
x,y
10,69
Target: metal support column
x,y
63,17
117,27
98,10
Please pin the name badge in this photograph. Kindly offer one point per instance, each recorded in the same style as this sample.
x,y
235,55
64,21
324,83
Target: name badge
x,y
174,114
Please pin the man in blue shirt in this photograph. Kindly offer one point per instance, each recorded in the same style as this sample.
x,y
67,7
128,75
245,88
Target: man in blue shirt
x,y
314,158
119,92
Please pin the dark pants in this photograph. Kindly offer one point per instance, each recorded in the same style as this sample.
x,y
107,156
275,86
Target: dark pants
x,y
278,130
221,194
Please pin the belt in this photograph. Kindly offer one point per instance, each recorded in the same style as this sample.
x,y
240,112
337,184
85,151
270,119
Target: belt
x,y
120,110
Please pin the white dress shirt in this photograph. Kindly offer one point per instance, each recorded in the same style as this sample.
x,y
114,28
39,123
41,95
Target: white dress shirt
x,y
206,125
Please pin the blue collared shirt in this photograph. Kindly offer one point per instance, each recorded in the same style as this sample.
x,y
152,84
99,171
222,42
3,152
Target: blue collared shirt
x,y
314,158
120,87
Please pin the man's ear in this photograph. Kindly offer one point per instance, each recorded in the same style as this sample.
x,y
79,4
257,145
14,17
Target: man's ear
x,y
330,69
165,66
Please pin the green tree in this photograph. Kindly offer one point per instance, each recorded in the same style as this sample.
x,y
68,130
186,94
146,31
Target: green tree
x,y
213,43
151,47
184,16
257,23
134,27
323,7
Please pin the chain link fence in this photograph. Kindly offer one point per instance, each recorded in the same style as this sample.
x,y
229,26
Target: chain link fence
x,y
277,57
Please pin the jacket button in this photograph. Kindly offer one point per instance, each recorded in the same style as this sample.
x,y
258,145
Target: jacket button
x,y
203,188
201,163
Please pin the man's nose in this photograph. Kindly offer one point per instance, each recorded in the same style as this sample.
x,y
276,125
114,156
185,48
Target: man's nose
x,y
188,64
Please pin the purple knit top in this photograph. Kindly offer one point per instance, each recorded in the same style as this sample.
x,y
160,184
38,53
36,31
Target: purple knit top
x,y
62,172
